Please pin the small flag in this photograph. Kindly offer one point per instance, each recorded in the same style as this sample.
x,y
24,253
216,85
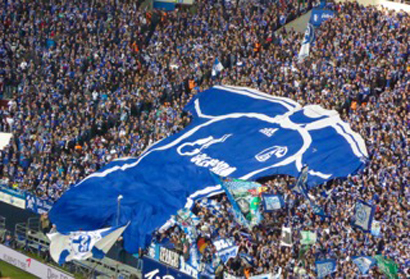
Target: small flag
x,y
286,237
308,237
302,253
225,249
245,206
325,267
364,263
247,259
272,202
376,226
363,216
307,40
217,67
201,244
317,210
82,245
300,186
387,266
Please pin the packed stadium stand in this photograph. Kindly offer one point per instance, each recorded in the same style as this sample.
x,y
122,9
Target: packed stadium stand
x,y
88,82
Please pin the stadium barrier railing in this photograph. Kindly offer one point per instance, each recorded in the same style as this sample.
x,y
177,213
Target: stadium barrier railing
x,y
36,242
2,227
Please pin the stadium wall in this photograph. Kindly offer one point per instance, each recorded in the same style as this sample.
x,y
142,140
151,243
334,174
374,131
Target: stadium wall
x,y
14,215
383,4
393,5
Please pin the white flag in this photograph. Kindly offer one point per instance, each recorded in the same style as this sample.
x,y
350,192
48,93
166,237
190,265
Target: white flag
x,y
217,67
286,237
82,245
308,39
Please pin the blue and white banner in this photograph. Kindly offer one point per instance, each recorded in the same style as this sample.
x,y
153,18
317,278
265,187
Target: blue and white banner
x,y
363,216
325,267
37,205
207,271
272,202
236,132
226,275
83,245
13,197
217,67
188,268
302,189
275,275
247,259
317,210
320,15
262,276
165,5
151,269
226,249
307,40
364,263
212,206
300,186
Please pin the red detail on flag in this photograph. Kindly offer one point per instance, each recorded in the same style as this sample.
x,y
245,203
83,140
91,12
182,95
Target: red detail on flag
x,y
28,262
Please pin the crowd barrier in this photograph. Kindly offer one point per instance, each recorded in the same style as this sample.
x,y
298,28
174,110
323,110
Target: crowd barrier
x,y
29,237
24,200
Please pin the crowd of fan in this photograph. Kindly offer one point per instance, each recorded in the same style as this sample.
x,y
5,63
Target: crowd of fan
x,y
91,84
358,65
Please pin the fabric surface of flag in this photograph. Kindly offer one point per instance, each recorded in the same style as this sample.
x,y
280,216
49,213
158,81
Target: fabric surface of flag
x,y
302,253
307,41
244,204
325,267
363,216
237,132
301,186
308,237
83,245
376,226
286,237
302,189
272,202
225,249
387,266
364,263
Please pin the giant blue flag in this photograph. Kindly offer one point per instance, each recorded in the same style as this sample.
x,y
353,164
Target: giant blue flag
x,y
236,132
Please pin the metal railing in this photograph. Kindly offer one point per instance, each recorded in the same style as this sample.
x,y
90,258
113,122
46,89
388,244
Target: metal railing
x,y
2,223
20,233
29,237
2,227
33,224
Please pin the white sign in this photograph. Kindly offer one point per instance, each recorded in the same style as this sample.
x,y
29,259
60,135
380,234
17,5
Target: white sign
x,y
31,265
169,257
229,276
4,139
187,268
12,200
